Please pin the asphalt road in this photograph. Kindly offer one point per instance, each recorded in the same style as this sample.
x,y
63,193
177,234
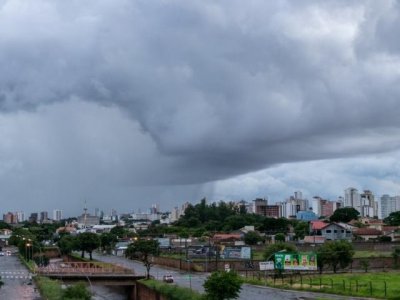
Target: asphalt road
x,y
17,280
196,280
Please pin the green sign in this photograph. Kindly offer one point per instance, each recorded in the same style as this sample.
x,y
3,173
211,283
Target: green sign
x,y
295,261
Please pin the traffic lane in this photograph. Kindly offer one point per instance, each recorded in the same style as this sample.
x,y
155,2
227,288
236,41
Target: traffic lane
x,y
182,278
196,282
18,284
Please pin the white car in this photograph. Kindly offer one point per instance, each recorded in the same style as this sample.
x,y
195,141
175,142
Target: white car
x,y
168,278
1,253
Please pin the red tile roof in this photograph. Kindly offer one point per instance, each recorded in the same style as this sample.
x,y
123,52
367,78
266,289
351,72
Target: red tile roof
x,y
367,231
226,236
318,225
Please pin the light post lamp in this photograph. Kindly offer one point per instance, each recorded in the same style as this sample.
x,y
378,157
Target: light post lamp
x,y
27,250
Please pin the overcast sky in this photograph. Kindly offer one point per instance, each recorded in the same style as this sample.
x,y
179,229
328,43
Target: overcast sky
x,y
125,103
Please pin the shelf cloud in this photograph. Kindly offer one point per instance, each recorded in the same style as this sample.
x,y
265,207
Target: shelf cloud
x,y
188,92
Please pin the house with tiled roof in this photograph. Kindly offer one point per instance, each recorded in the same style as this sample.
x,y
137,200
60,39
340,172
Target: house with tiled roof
x,y
367,234
226,237
331,231
392,231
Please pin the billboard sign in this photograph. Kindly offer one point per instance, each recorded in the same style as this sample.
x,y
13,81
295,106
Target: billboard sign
x,y
296,261
164,242
236,253
266,265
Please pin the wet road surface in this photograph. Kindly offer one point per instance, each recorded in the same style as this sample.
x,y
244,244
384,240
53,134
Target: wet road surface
x,y
18,284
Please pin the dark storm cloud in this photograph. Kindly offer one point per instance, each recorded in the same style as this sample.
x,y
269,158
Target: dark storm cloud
x,y
221,88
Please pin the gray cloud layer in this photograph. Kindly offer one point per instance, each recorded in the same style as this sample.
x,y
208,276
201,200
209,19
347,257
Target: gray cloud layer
x,y
211,90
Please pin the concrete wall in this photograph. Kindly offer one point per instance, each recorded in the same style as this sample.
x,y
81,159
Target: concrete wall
x,y
145,293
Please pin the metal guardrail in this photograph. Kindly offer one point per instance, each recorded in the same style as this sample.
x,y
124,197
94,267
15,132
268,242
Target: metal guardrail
x,y
83,268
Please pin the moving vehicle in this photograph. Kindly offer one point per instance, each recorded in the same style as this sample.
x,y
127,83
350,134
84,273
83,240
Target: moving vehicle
x,y
168,278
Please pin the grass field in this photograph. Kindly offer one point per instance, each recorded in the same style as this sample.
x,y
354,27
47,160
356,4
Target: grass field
x,y
375,285
367,254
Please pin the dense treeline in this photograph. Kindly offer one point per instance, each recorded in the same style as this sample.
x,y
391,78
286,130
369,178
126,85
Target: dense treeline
x,y
205,219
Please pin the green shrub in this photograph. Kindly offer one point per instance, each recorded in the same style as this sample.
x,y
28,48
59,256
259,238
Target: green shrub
x,y
77,291
49,289
171,291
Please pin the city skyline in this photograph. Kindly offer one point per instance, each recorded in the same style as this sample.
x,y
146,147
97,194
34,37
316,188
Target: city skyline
x,y
128,103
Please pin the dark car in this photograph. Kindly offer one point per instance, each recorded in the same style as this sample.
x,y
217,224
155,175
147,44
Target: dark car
x,y
168,278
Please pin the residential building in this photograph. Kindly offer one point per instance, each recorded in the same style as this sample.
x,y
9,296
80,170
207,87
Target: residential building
x,y
175,214
306,216
10,218
57,215
331,231
324,208
260,206
367,234
352,198
273,211
33,218
388,205
20,216
44,216
369,207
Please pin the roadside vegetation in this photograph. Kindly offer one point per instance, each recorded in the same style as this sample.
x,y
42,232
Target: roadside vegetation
x,y
52,290
171,291
374,285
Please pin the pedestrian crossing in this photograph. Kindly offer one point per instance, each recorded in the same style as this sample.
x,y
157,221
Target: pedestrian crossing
x,y
15,275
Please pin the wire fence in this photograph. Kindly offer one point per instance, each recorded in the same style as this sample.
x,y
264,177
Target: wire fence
x,y
337,284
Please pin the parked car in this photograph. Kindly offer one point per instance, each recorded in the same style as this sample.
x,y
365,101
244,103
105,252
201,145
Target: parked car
x,y
1,253
168,278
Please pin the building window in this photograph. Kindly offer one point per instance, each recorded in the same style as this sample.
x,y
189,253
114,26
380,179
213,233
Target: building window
x,y
342,231
328,231
335,231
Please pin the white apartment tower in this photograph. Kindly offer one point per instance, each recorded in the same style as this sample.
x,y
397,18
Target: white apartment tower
x,y
20,216
388,205
369,207
352,198
57,215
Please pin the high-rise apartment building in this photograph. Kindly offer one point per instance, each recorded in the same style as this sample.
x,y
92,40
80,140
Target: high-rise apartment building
x,y
20,216
369,207
10,218
260,206
352,198
57,215
44,216
33,218
325,208
388,205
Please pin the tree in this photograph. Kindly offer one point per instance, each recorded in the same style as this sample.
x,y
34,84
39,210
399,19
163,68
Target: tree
x,y
396,255
280,237
335,254
118,231
88,242
222,285
67,244
272,249
364,263
393,219
301,229
273,226
108,241
345,214
252,238
143,250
